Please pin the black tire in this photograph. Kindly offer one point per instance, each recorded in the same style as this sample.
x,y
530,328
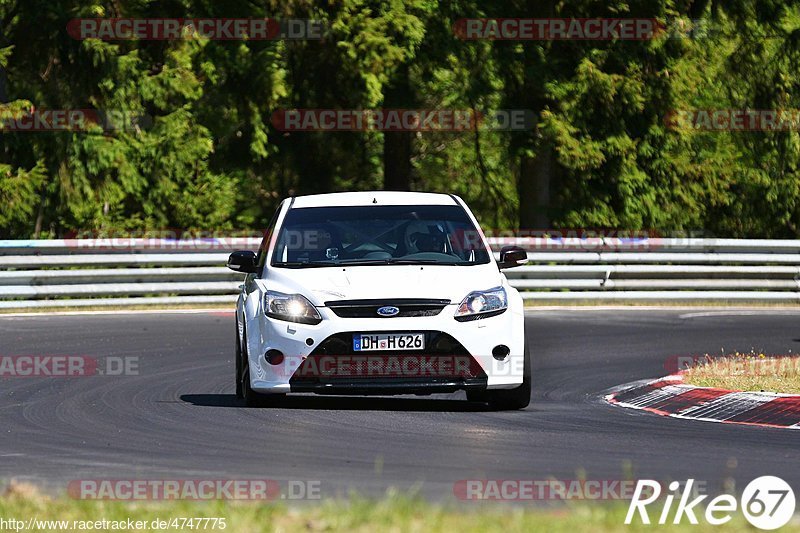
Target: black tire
x,y
256,399
516,398
477,396
238,357
251,397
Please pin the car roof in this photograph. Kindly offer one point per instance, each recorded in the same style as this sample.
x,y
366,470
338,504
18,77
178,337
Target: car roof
x,y
365,198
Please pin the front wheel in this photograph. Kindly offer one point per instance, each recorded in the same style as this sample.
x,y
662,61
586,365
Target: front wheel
x,y
516,398
251,397
256,399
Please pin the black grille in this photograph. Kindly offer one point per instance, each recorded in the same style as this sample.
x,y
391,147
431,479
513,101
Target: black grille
x,y
409,307
443,365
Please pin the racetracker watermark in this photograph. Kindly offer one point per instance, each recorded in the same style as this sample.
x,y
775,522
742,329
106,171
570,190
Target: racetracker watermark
x,y
733,120
572,239
215,29
193,489
736,365
72,120
67,366
163,239
544,489
448,120
190,523
386,366
557,29
582,29
590,239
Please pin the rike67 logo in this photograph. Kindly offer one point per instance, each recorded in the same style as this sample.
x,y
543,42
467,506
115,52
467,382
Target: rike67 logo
x,y
767,503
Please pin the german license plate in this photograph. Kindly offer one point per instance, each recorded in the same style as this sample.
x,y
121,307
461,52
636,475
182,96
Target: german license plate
x,y
375,342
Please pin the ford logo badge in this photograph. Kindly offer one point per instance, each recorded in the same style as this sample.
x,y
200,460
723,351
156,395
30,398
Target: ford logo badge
x,y
388,310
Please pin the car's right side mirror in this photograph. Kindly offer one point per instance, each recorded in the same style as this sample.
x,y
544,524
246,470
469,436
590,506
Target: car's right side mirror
x,y
512,256
244,262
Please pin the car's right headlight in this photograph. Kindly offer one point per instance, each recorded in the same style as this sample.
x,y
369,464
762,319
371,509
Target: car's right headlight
x,y
290,307
482,304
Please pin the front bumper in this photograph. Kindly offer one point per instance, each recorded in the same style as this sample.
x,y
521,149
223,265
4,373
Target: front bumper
x,y
459,352
389,387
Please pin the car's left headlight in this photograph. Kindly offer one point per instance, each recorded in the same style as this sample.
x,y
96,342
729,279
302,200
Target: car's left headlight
x,y
290,307
482,304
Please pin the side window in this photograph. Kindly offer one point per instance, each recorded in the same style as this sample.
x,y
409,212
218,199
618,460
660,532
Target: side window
x,y
262,250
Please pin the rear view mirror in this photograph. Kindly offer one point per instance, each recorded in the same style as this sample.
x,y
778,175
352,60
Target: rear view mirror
x,y
244,261
512,256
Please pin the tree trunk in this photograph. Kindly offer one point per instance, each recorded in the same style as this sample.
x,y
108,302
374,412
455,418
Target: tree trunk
x,y
397,160
398,145
315,174
37,230
533,186
3,86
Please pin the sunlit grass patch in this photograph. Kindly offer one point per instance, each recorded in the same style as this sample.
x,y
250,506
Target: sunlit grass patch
x,y
392,512
747,372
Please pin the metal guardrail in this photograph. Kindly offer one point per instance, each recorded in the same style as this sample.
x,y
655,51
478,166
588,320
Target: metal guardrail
x,y
123,272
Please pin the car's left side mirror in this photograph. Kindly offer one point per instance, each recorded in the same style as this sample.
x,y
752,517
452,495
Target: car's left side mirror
x,y
512,256
243,262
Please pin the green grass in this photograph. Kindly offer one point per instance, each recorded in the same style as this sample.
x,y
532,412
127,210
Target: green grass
x,y
748,372
394,512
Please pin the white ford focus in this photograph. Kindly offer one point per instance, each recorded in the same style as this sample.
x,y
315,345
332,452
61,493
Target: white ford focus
x,y
379,293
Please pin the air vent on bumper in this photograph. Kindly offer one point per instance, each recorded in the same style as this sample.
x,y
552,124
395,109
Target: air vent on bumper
x,y
408,307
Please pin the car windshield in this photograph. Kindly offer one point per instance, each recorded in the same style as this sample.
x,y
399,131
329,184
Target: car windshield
x,y
378,235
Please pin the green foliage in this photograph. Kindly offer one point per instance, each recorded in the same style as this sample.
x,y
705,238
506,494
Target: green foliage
x,y
18,189
194,146
396,510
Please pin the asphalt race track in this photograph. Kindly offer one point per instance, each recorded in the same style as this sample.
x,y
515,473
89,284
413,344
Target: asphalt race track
x,y
178,418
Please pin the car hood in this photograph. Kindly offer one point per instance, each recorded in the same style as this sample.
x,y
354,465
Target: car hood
x,y
445,282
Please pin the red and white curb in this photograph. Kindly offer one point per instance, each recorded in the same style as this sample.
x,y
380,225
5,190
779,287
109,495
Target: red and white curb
x,y
669,396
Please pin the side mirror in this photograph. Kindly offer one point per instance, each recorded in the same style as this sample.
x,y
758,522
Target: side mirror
x,y
512,256
243,262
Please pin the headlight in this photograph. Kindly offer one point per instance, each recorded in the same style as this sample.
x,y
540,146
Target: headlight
x,y
482,304
290,307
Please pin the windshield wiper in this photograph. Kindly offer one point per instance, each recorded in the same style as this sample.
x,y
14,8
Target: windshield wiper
x,y
422,262
363,262
396,261
303,264
368,262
